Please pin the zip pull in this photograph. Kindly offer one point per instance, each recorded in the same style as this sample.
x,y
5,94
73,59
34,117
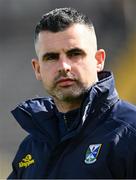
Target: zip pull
x,y
65,120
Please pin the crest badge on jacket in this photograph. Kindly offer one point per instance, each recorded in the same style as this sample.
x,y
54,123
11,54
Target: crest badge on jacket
x,y
92,153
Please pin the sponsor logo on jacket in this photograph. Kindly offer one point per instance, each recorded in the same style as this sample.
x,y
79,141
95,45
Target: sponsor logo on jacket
x,y
26,161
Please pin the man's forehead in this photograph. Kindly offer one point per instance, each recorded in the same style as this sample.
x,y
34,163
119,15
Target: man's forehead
x,y
76,36
75,29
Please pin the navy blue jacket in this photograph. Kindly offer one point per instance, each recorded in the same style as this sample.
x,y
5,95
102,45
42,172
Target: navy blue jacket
x,y
104,146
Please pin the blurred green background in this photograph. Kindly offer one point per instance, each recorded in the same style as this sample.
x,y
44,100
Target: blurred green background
x,y
115,25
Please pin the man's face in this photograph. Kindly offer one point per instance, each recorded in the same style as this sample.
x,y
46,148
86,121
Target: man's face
x,y
68,62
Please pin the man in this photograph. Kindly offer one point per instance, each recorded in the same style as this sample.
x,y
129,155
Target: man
x,y
83,130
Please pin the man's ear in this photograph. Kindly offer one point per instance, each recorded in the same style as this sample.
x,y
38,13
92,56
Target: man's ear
x,y
100,57
36,68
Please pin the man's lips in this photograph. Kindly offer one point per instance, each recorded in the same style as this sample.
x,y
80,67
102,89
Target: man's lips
x,y
65,82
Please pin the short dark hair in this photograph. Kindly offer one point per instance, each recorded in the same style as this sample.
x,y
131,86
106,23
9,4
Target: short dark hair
x,y
60,19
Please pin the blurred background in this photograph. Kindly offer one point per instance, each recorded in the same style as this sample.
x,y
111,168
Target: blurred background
x,y
115,25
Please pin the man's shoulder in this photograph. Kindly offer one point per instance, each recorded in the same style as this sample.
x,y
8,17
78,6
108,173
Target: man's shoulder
x,y
26,142
125,113
29,143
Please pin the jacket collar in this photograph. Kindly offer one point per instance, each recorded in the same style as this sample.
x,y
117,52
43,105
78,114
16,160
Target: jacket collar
x,y
101,96
37,116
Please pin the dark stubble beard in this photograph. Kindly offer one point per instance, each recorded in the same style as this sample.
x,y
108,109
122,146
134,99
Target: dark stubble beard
x,y
73,93
70,94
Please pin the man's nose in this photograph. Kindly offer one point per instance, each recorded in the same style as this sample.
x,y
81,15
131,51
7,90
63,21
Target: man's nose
x,y
64,64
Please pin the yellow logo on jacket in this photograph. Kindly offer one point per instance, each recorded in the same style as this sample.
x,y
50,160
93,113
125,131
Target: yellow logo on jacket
x,y
27,161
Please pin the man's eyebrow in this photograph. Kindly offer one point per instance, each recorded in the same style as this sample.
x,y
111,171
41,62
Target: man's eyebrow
x,y
49,54
74,50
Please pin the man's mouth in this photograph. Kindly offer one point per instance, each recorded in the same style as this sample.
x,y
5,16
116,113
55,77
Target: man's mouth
x,y
65,82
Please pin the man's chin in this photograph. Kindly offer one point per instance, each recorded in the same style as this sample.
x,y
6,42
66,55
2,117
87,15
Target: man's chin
x,y
68,94
69,97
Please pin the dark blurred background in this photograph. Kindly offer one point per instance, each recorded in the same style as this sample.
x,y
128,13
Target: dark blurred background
x,y
115,25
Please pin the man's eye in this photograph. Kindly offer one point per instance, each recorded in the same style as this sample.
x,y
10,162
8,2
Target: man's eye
x,y
74,54
51,57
